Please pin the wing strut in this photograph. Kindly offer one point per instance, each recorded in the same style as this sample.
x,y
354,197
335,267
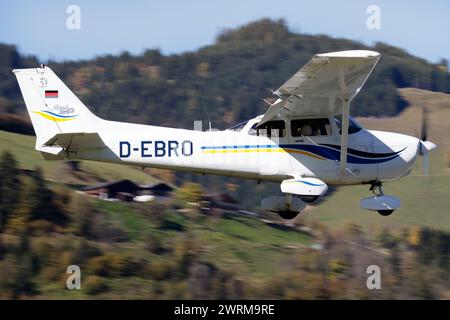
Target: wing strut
x,y
344,136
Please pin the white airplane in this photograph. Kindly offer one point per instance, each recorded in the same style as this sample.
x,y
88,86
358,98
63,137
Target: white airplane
x,y
305,141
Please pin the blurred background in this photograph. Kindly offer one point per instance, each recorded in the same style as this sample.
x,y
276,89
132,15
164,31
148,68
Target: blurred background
x,y
155,234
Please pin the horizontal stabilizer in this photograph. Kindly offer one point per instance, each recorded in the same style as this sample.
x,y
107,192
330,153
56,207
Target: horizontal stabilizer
x,y
75,141
49,154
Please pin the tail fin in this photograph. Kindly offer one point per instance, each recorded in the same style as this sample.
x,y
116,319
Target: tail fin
x,y
53,107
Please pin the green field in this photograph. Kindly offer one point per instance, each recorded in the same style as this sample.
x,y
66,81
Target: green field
x,y
237,242
251,246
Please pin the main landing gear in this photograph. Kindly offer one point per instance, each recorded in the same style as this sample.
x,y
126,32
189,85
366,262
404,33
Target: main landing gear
x,y
384,205
297,193
287,206
288,215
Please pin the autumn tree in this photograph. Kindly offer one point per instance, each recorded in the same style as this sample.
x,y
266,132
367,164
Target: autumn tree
x,y
44,203
189,193
23,279
9,187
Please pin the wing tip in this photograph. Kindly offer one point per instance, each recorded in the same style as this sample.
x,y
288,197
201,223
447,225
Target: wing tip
x,y
32,70
351,54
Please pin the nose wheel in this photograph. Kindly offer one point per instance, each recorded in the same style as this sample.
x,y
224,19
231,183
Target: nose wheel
x,y
383,204
385,213
377,190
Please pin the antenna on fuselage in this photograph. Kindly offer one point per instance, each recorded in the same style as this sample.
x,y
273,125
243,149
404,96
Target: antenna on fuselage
x,y
207,114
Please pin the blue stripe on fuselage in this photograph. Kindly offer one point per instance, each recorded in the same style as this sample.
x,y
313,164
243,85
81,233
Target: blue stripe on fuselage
x,y
320,150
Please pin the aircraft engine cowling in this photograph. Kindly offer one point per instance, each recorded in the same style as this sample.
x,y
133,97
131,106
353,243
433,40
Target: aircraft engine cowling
x,y
309,189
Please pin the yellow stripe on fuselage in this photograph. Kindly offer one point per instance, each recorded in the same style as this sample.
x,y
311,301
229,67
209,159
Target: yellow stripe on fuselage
x,y
242,150
306,153
52,118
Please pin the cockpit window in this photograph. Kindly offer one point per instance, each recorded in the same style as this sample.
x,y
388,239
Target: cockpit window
x,y
353,126
310,127
238,127
276,128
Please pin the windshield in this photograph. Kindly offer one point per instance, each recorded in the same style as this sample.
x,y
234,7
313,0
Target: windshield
x,y
238,127
353,126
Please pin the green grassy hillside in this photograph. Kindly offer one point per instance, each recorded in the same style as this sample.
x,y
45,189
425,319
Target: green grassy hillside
x,y
235,242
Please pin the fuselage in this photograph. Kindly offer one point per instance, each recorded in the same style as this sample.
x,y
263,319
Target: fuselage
x,y
250,153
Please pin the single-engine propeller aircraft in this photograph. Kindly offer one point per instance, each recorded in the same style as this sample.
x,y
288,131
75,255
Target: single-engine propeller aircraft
x,y
305,141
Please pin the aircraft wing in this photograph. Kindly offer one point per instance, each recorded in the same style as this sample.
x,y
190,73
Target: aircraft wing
x,y
322,85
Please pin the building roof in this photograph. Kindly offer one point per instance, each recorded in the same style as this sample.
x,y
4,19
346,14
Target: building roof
x,y
123,182
160,186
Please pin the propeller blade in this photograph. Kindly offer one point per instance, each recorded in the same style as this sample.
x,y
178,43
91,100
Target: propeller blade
x,y
424,151
424,132
425,145
426,164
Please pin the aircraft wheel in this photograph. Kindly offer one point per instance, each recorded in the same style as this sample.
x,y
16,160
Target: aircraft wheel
x,y
309,199
288,215
385,213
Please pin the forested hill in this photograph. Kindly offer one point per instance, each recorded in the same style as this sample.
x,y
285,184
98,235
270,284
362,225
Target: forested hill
x,y
228,78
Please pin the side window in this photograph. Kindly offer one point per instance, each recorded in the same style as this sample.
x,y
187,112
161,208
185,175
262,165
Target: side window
x,y
310,127
252,130
269,129
353,126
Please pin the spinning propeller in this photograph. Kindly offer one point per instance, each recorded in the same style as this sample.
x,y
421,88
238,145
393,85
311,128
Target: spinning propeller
x,y
425,146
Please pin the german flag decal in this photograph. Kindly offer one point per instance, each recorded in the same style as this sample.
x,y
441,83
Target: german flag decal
x,y
51,93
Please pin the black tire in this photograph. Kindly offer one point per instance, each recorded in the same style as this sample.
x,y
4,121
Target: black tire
x,y
309,199
288,215
385,213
